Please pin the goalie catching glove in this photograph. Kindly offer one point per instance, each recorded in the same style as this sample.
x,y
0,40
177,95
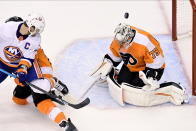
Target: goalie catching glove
x,y
103,69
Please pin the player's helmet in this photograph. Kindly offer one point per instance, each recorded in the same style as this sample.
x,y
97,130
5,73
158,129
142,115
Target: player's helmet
x,y
124,33
35,22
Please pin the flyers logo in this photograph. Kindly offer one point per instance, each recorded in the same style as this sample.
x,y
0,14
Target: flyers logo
x,y
128,58
12,53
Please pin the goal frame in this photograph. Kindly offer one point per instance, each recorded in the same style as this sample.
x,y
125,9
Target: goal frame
x,y
175,37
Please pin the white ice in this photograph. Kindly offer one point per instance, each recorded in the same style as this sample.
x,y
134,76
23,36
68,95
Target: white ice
x,y
90,25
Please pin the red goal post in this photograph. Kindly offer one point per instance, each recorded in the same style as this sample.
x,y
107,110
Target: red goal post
x,y
190,6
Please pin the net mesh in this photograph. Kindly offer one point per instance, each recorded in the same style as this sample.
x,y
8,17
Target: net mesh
x,y
184,18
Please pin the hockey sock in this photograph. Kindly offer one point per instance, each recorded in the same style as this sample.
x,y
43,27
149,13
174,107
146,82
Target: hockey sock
x,y
47,107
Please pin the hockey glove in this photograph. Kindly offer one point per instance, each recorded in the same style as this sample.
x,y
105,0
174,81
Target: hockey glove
x,y
21,74
151,84
150,72
60,86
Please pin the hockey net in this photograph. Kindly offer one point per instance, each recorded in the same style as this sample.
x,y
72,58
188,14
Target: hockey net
x,y
183,26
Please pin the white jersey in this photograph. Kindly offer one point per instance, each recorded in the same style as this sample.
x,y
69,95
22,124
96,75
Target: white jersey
x,y
14,51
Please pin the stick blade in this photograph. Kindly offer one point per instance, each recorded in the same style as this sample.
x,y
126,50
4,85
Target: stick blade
x,y
81,104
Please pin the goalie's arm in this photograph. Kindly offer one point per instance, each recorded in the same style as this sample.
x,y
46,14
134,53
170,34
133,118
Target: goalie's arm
x,y
155,63
110,60
113,54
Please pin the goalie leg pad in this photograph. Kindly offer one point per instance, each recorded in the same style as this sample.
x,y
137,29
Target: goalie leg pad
x,y
115,91
139,97
169,92
177,93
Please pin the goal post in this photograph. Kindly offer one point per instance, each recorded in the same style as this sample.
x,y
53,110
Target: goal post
x,y
174,20
194,46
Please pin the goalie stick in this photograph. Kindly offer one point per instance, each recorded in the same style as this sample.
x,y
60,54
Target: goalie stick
x,y
56,98
89,88
95,80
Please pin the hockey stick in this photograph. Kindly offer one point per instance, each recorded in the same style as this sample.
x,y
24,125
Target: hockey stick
x,y
96,79
88,89
56,98
59,99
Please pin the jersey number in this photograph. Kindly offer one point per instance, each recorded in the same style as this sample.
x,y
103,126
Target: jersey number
x,y
128,59
154,53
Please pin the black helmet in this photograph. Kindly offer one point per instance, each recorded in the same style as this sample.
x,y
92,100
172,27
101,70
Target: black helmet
x,y
14,18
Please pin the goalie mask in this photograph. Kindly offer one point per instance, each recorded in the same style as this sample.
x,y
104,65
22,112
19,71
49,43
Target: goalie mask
x,y
124,33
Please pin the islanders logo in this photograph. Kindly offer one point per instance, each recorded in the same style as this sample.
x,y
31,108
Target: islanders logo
x,y
12,53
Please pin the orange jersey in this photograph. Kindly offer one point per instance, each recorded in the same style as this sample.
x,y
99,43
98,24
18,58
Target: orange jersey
x,y
144,51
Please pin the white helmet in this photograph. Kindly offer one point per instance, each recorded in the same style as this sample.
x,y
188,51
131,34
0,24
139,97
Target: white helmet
x,y
35,21
124,33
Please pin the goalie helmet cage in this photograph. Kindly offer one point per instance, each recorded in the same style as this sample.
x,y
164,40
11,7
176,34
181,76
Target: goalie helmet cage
x,y
182,25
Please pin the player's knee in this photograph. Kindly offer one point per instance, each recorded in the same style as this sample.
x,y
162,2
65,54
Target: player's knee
x,y
19,101
20,95
39,98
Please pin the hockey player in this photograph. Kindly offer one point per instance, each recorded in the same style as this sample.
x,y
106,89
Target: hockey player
x,y
42,101
142,68
20,42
